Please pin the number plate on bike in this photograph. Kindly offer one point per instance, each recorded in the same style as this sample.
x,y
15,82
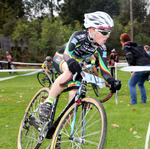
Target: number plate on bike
x,y
94,79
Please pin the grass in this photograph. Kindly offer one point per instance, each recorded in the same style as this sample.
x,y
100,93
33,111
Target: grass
x,y
16,93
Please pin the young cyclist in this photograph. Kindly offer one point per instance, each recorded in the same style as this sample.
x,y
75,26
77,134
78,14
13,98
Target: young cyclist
x,y
91,60
80,45
47,64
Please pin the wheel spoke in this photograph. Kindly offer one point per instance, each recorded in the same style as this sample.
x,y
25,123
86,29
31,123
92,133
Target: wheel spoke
x,y
88,131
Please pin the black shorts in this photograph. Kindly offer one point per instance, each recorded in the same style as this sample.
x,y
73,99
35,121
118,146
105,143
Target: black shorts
x,y
58,61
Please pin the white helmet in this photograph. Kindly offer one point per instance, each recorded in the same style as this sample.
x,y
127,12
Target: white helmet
x,y
48,58
98,20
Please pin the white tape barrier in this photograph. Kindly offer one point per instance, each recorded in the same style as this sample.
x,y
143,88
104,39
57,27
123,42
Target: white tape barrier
x,y
121,64
32,72
6,78
20,63
17,70
135,68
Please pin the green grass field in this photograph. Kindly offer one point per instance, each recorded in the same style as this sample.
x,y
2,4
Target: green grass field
x,y
131,121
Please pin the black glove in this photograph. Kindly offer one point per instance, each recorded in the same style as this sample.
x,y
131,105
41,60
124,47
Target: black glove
x,y
74,66
115,85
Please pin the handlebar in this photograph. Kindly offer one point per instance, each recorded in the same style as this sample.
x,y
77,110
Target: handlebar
x,y
101,100
107,98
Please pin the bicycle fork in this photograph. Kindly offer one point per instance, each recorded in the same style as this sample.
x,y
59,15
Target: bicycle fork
x,y
78,140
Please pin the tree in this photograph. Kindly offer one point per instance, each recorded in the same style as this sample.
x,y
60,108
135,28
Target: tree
x,y
30,33
139,11
36,8
10,10
54,35
72,10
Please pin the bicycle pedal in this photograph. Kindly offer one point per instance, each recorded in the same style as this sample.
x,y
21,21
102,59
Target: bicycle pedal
x,y
43,119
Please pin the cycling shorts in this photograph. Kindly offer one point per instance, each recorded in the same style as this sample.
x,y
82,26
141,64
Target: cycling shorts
x,y
58,61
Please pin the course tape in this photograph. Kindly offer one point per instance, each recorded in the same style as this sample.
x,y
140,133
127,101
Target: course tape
x,y
16,70
20,63
6,78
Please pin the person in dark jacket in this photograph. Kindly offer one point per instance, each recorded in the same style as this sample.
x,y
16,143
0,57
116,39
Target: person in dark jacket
x,y
135,56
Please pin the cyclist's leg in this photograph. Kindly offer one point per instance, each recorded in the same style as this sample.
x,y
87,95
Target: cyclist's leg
x,y
56,89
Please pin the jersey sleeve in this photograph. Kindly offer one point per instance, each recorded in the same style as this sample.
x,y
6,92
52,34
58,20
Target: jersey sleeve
x,y
128,55
103,65
70,47
43,65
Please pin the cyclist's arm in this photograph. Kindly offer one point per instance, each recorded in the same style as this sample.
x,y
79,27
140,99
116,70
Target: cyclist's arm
x,y
70,47
103,65
43,65
129,56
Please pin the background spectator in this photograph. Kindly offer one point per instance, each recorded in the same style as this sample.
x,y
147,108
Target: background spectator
x,y
135,56
147,49
9,59
1,59
112,59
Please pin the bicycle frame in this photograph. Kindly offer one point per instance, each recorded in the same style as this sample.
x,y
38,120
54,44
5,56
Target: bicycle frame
x,y
48,129
76,99
48,76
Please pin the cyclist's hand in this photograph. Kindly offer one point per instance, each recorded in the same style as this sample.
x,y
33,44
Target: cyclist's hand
x,y
115,85
74,66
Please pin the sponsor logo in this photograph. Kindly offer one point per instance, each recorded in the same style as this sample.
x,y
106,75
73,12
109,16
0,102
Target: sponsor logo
x,y
74,41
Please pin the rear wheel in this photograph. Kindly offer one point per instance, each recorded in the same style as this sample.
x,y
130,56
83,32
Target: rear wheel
x,y
43,79
90,127
32,133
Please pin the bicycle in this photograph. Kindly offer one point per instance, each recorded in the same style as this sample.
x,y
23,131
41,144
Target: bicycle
x,y
46,79
82,123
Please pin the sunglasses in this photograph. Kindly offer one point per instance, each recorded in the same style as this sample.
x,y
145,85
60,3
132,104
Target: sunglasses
x,y
103,32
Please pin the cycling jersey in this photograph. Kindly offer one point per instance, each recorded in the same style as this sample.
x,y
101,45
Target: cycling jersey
x,y
79,47
46,64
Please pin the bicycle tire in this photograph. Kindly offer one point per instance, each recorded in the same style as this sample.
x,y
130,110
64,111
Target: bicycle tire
x,y
96,89
95,130
43,80
28,136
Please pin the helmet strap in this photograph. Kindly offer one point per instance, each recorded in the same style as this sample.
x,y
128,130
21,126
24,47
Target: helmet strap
x,y
92,36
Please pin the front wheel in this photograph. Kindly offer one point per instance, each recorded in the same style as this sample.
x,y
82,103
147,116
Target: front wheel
x,y
90,127
43,79
30,136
